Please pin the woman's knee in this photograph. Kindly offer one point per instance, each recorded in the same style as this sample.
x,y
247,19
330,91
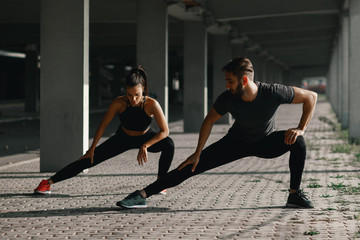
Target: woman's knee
x,y
169,143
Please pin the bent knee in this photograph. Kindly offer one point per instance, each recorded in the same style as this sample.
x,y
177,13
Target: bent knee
x,y
300,142
169,142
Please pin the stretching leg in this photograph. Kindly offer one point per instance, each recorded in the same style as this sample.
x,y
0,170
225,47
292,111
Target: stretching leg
x,y
110,148
217,154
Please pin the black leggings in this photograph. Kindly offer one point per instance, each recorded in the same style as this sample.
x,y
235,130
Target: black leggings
x,y
117,144
228,149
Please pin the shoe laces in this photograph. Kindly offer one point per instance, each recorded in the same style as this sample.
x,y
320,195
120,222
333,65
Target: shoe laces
x,y
133,195
44,183
303,195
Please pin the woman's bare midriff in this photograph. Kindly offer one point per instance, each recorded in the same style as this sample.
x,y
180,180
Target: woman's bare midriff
x,y
133,133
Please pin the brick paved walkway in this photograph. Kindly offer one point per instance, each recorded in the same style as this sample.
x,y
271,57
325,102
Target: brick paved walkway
x,y
241,200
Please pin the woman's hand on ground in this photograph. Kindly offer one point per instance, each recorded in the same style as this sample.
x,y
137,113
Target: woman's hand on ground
x,y
191,160
142,155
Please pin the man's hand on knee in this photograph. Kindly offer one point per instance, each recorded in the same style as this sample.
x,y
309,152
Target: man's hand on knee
x,y
191,160
292,134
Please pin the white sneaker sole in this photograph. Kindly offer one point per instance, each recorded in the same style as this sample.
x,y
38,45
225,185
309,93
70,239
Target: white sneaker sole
x,y
133,206
291,205
42,193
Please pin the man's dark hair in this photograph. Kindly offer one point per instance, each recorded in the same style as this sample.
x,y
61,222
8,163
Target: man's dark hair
x,y
240,67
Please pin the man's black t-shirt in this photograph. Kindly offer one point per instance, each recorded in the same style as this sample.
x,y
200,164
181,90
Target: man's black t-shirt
x,y
256,119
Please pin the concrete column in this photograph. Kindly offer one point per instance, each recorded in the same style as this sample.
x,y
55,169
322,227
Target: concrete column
x,y
336,80
221,55
354,84
195,75
32,83
152,47
329,87
95,83
339,76
64,103
333,78
345,72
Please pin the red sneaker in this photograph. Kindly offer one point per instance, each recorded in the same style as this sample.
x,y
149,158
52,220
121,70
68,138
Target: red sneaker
x,y
163,192
43,188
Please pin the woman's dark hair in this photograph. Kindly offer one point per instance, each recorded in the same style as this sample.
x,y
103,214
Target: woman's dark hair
x,y
136,76
240,67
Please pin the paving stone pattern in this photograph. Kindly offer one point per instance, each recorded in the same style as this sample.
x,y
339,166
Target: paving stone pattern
x,y
242,200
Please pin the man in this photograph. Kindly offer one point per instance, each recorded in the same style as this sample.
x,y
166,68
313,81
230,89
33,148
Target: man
x,y
253,105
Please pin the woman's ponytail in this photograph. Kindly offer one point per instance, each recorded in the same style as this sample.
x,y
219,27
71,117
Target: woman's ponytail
x,y
137,76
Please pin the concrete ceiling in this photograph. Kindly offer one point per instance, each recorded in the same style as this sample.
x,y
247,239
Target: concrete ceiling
x,y
295,34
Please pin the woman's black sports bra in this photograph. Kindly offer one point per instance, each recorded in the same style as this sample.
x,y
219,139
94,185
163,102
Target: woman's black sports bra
x,y
135,118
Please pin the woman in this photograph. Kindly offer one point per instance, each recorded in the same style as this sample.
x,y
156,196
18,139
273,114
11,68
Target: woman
x,y
136,111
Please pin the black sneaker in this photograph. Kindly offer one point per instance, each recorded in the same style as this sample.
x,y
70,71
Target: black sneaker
x,y
134,200
299,200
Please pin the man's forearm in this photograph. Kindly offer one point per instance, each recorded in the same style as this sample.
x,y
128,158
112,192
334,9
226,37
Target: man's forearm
x,y
204,134
308,112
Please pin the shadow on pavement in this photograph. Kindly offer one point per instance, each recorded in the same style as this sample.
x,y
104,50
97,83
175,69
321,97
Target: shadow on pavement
x,y
54,195
154,174
114,210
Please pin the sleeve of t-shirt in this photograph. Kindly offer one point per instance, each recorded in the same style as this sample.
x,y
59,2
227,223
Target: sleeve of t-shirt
x,y
220,105
283,94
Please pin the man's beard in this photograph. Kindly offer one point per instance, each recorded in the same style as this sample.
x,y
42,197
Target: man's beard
x,y
239,92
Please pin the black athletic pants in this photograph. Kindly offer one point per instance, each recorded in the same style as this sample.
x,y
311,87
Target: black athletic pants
x,y
117,144
228,149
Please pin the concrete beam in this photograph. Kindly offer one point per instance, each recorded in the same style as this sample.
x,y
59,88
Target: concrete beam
x,y
233,10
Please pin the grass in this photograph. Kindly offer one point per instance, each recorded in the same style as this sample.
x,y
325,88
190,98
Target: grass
x,y
338,186
312,179
326,196
346,189
342,148
335,163
357,233
334,126
312,232
337,176
314,185
357,157
312,147
351,190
